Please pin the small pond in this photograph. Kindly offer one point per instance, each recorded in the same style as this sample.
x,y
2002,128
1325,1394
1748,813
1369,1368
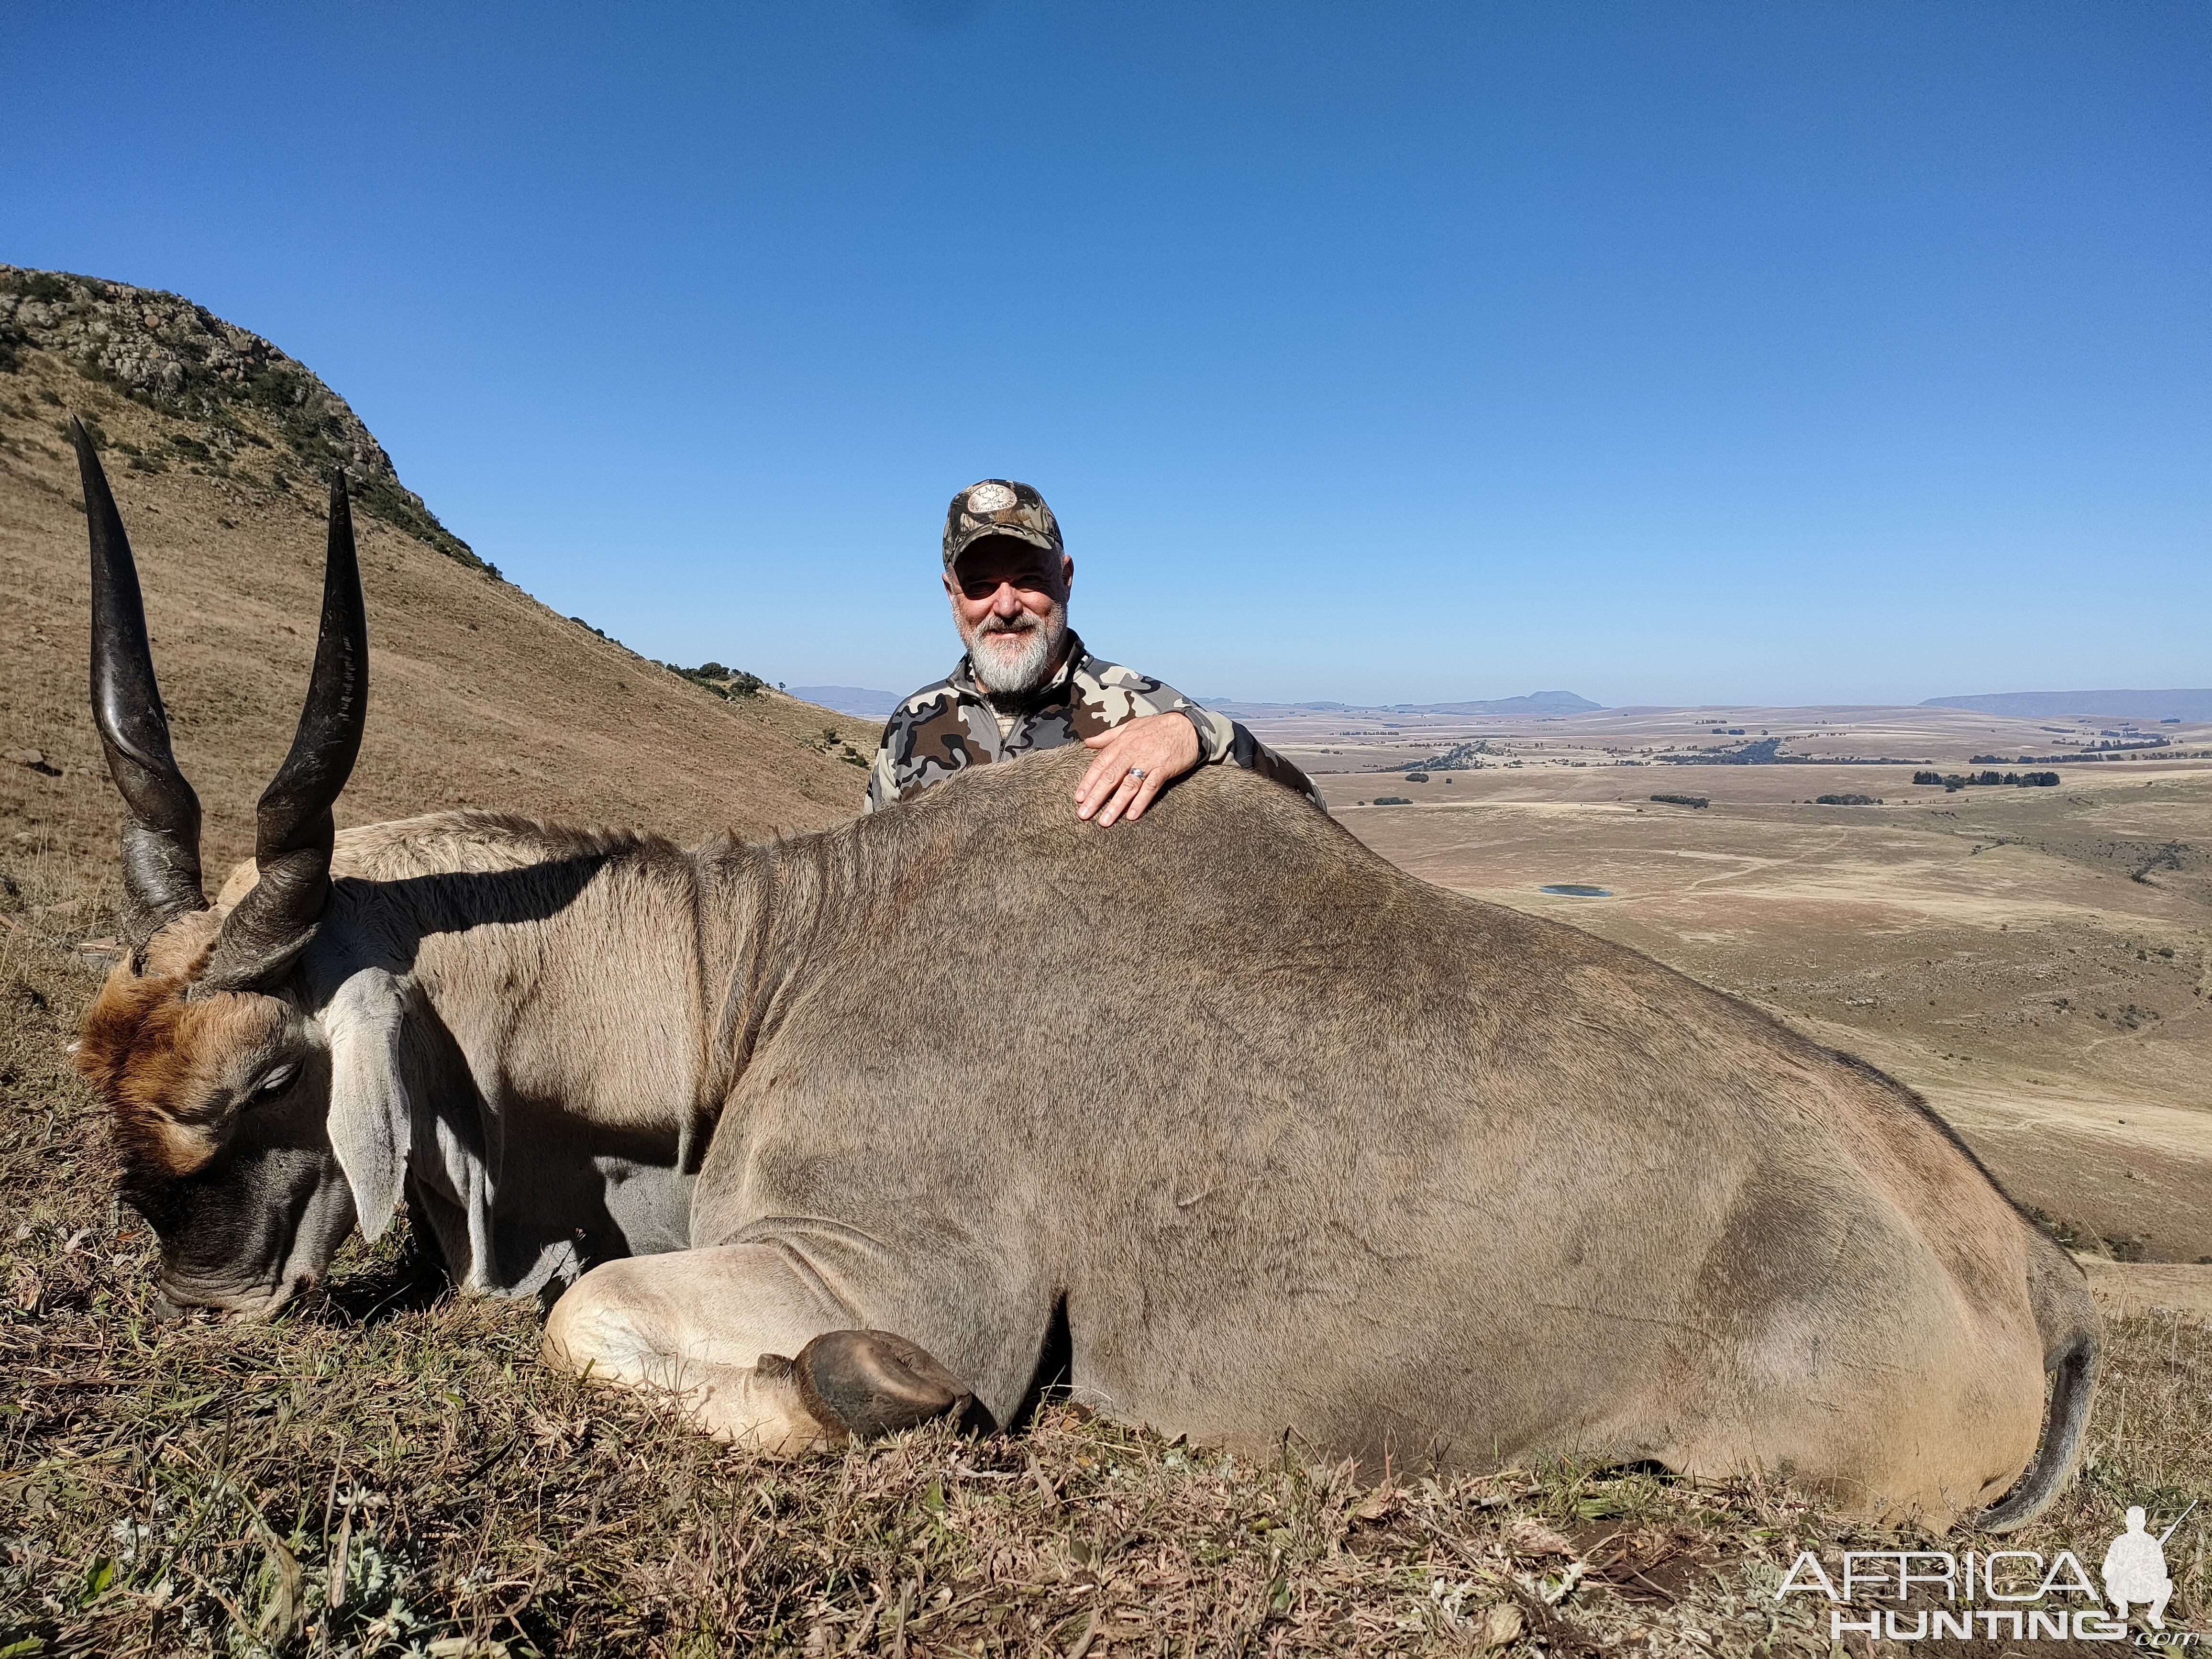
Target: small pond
x,y
1574,890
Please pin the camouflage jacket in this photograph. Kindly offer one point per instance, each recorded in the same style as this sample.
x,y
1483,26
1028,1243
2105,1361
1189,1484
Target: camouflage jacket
x,y
950,724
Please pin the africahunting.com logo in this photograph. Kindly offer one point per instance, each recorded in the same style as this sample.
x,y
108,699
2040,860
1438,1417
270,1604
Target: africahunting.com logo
x,y
2029,1592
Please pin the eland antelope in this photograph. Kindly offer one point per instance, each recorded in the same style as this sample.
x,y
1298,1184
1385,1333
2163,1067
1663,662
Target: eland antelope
x,y
834,1134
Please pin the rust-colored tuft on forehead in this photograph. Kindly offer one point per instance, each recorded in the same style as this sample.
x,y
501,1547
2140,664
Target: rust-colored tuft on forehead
x,y
156,1059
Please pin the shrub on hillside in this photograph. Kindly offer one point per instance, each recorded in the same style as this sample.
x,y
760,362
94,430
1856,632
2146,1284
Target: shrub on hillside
x,y
722,681
1682,800
1846,800
1958,781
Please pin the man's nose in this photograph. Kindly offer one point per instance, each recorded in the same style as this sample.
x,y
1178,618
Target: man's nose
x,y
1006,601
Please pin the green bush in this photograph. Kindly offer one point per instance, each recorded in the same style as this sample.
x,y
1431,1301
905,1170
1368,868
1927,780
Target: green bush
x,y
1682,800
1958,781
1846,800
41,285
384,498
722,681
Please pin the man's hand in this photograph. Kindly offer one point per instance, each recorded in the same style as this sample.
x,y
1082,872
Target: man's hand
x,y
1134,762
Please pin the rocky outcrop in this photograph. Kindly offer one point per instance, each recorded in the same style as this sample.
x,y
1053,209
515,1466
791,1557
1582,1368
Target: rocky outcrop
x,y
241,392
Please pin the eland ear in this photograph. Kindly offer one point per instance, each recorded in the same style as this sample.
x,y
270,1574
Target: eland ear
x,y
371,1125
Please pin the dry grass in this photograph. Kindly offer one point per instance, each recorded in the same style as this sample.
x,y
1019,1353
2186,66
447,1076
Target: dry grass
x,y
390,1471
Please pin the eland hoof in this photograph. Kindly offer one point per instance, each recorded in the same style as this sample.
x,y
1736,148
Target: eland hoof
x,y
872,1382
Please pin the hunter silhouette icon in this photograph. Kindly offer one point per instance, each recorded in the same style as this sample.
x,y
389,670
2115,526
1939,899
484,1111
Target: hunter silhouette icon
x,y
2135,1569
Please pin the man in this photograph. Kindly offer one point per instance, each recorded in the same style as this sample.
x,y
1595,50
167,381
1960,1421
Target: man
x,y
1027,683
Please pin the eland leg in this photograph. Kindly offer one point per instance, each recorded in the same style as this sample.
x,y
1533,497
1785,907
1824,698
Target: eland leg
x,y
756,1350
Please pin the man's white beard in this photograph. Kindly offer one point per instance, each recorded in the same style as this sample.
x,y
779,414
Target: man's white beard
x,y
1013,656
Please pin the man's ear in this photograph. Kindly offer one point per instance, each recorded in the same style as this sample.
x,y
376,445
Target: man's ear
x,y
1067,575
370,1122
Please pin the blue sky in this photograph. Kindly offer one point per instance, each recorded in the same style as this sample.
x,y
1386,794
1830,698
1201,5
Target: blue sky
x,y
1664,353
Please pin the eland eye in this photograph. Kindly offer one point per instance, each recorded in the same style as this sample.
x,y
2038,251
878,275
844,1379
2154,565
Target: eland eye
x,y
278,1080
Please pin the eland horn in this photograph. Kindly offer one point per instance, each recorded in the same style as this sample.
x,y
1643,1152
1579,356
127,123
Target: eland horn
x,y
293,829
161,838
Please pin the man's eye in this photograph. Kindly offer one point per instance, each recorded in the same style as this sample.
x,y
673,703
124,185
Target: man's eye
x,y
279,1079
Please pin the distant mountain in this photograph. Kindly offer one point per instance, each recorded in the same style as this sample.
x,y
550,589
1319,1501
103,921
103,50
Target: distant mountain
x,y
859,701
1536,702
856,700
2101,705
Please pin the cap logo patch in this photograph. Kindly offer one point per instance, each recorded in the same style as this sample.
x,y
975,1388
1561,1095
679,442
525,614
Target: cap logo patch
x,y
990,498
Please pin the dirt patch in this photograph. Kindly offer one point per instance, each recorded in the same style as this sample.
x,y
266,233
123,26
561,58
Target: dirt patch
x,y
2131,1289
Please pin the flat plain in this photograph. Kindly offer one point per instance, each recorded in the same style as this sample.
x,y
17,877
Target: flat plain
x,y
2032,959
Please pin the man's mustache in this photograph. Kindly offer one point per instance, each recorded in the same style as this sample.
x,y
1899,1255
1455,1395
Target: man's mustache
x,y
1020,622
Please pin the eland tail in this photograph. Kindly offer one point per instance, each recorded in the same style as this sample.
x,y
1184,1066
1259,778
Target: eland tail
x,y
2066,1317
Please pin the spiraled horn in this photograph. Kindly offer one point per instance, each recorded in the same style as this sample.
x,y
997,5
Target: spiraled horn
x,y
274,921
161,838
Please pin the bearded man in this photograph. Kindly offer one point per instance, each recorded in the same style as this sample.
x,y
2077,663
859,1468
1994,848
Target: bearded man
x,y
1027,683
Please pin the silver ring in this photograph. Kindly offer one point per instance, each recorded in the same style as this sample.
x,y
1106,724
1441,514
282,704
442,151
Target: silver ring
x,y
1137,772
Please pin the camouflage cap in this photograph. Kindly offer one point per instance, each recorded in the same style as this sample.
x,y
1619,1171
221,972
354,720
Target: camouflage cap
x,y
998,507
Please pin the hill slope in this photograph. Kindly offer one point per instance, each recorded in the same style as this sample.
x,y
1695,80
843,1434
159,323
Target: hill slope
x,y
218,446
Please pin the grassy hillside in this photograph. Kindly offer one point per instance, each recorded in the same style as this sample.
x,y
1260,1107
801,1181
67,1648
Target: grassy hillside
x,y
479,694
387,1470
